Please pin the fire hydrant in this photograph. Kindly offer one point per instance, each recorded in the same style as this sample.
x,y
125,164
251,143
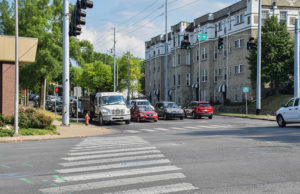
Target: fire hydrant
x,y
87,119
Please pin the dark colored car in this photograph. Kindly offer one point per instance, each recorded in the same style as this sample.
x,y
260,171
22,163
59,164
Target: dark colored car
x,y
169,110
143,113
73,108
198,109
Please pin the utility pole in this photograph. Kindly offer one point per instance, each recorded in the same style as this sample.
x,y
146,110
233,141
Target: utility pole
x,y
175,66
166,52
227,57
258,81
296,63
199,72
66,59
128,95
114,59
16,132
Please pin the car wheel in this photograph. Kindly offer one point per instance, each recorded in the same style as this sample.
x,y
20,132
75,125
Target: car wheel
x,y
280,121
210,117
165,117
155,121
100,120
127,122
194,115
185,115
181,118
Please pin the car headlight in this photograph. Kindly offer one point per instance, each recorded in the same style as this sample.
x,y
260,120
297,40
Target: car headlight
x,y
155,114
127,111
106,111
167,110
141,114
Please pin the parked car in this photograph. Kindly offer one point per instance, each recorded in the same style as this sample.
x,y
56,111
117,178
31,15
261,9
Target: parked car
x,y
73,108
59,106
49,104
138,102
143,113
169,110
198,109
288,113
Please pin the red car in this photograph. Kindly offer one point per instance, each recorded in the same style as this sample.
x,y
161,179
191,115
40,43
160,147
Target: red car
x,y
198,109
143,113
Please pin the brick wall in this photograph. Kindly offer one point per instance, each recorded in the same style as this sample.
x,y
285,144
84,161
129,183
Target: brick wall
x,y
7,88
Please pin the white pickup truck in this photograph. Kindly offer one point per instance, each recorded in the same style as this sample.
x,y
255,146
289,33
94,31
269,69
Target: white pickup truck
x,y
107,107
289,113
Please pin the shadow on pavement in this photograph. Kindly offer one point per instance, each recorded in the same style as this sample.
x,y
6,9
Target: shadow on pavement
x,y
290,134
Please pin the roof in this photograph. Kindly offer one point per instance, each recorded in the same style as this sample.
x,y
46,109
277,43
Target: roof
x,y
109,94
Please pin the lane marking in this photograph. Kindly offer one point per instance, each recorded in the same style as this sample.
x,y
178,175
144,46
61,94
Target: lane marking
x,y
110,155
59,178
109,147
160,189
120,173
147,130
131,131
177,128
27,181
111,151
113,166
192,127
112,183
161,129
5,166
110,160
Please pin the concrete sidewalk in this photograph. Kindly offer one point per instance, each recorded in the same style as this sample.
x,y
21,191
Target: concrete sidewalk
x,y
72,131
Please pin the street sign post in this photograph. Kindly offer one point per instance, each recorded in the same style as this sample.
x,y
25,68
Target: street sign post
x,y
77,93
202,36
246,90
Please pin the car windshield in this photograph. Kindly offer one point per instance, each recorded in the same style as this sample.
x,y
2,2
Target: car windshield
x,y
204,105
113,100
143,102
171,105
145,108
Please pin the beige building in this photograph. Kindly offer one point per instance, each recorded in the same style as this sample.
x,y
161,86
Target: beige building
x,y
27,53
223,72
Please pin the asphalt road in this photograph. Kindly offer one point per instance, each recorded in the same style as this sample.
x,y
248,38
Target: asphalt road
x,y
222,155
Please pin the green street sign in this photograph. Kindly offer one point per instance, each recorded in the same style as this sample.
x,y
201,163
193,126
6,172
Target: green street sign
x,y
245,89
202,36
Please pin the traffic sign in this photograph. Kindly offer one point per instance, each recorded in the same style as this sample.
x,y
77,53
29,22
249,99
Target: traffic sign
x,y
245,89
77,91
202,36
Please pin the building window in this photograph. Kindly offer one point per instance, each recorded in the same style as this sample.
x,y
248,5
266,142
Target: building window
x,y
204,54
235,94
178,60
220,72
216,30
215,53
230,71
216,75
225,73
178,79
249,19
264,15
239,43
220,26
238,69
239,19
188,58
154,66
174,61
174,80
283,17
198,55
204,76
188,79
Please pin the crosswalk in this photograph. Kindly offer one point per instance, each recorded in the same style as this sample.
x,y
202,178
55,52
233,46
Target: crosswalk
x,y
118,165
170,129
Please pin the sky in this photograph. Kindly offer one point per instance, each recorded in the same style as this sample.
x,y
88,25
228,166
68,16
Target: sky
x,y
137,21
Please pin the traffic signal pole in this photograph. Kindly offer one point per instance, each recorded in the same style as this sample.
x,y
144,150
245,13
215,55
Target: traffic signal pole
x,y
296,60
258,79
66,80
114,59
16,118
199,72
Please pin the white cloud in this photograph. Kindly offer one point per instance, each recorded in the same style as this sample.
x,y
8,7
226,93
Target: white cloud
x,y
130,39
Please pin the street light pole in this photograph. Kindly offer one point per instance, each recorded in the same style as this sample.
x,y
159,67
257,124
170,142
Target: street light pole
x,y
16,123
258,81
296,60
128,95
166,52
114,59
66,59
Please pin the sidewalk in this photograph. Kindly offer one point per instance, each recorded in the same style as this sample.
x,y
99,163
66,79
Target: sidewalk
x,y
72,131
249,116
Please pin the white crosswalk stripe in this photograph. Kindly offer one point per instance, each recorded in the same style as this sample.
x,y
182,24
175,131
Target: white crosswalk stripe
x,y
132,131
161,129
102,163
147,130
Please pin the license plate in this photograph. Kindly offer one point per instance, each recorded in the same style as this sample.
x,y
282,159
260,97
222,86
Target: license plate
x,y
205,110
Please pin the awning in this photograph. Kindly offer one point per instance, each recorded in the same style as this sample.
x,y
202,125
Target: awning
x,y
222,88
170,92
195,86
156,92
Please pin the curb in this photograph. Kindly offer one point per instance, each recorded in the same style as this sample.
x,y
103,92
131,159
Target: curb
x,y
264,119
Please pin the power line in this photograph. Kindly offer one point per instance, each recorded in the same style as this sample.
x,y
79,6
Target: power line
x,y
190,3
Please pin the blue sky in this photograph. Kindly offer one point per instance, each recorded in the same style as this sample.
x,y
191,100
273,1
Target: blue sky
x,y
137,21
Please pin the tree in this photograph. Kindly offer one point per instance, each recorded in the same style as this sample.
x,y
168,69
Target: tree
x,y
277,54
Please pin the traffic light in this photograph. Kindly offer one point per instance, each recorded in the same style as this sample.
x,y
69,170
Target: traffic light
x,y
56,90
251,44
185,45
77,17
220,43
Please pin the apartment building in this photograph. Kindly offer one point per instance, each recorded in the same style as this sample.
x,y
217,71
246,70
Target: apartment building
x,y
223,72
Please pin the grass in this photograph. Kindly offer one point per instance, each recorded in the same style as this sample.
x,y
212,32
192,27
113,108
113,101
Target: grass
x,y
247,116
273,103
58,117
30,131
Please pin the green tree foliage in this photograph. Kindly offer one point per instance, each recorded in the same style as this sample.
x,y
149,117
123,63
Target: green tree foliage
x,y
277,54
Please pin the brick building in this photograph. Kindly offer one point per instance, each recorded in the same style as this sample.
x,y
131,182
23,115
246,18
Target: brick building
x,y
223,72
27,53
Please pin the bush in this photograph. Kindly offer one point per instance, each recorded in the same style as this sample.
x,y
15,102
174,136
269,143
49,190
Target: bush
x,y
6,132
30,118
